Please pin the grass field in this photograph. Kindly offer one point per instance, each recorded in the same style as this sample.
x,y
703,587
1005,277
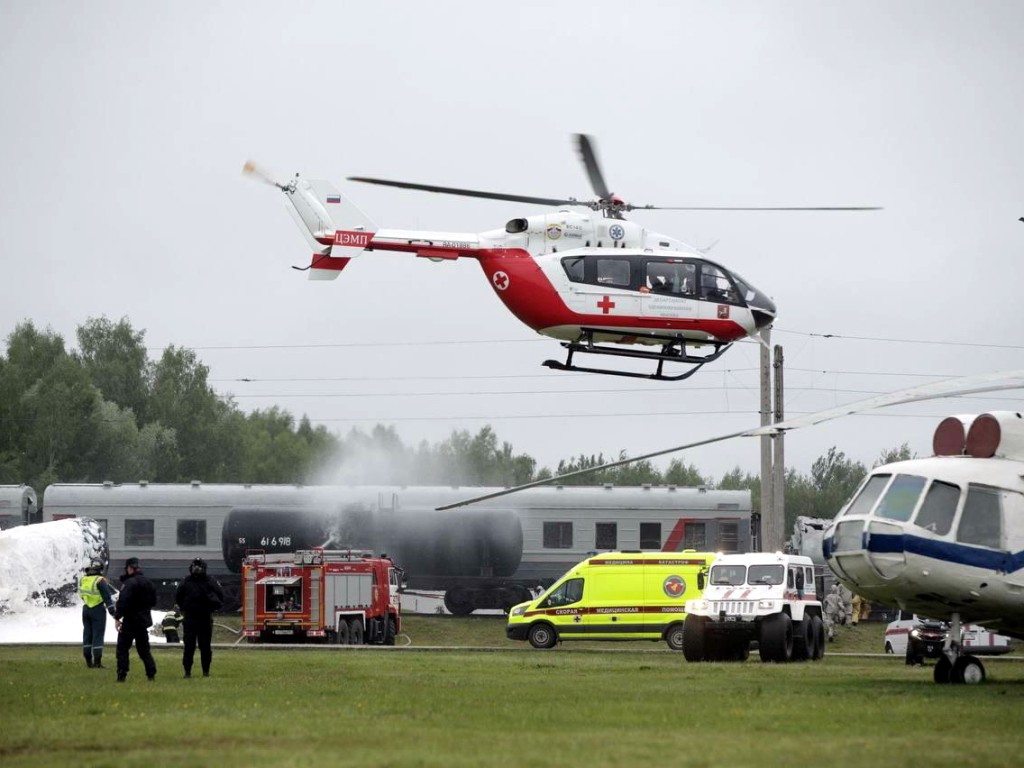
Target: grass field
x,y
625,703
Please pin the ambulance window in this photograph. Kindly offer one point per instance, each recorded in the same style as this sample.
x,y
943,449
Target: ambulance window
x,y
557,535
868,495
138,533
728,575
695,536
191,533
650,535
981,522
901,498
939,507
606,535
567,593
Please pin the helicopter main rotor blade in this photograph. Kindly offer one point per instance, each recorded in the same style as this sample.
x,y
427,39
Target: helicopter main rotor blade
x,y
589,157
629,207
468,192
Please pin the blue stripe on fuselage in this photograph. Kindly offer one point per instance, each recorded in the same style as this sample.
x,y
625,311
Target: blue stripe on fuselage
x,y
946,551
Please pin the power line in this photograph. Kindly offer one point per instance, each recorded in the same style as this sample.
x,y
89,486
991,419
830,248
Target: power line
x,y
933,342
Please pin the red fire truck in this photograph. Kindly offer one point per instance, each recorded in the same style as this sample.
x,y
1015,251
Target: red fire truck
x,y
348,597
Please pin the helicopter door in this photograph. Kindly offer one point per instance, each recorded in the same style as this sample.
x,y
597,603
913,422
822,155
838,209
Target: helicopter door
x,y
668,288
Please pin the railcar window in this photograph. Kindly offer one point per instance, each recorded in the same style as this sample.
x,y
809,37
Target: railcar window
x,y
558,535
981,522
939,507
191,533
868,495
138,533
568,593
613,272
650,535
573,267
695,536
606,535
728,536
103,525
901,498
728,575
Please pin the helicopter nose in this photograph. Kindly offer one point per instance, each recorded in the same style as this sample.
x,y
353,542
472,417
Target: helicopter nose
x,y
762,318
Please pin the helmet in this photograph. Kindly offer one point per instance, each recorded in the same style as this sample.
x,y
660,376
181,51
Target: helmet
x,y
95,565
198,567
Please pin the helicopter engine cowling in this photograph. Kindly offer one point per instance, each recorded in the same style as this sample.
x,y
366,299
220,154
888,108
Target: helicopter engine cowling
x,y
999,434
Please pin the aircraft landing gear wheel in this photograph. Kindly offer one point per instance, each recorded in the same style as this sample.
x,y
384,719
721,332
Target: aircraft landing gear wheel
x,y
943,670
542,636
967,670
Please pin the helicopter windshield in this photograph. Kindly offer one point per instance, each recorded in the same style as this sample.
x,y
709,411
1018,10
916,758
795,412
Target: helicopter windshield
x,y
761,306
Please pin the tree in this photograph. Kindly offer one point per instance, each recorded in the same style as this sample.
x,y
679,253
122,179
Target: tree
x,y
899,453
114,356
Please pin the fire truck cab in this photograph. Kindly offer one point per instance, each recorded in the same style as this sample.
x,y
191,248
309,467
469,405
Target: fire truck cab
x,y
348,597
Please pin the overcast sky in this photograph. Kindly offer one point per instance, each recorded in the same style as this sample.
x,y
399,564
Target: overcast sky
x,y
125,125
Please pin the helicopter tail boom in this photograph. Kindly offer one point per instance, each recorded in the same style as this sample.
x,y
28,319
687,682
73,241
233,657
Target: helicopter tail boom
x,y
334,228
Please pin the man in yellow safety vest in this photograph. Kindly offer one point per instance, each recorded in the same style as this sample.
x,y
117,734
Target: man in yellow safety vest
x,y
97,599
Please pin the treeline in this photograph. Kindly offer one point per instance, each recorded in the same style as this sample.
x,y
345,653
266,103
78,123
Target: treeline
x,y
105,411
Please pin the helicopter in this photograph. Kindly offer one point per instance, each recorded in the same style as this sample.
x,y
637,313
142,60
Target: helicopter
x,y
941,536
600,284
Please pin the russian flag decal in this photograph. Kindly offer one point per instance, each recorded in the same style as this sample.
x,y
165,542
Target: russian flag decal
x,y
334,199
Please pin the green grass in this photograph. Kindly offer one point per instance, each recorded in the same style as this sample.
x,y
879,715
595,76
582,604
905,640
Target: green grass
x,y
512,706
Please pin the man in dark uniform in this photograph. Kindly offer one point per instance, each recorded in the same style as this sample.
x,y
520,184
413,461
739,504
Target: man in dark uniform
x,y
132,612
97,599
198,596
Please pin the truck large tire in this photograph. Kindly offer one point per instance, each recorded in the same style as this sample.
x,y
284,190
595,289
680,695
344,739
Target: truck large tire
x,y
776,638
819,638
694,640
391,632
341,637
355,631
803,639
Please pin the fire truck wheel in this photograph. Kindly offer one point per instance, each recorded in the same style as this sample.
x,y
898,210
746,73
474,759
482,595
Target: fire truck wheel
x,y
542,636
391,632
355,632
341,638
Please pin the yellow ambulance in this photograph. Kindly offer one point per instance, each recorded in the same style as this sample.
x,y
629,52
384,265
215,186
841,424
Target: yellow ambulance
x,y
615,596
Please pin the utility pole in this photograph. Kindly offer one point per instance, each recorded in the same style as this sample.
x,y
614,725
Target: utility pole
x,y
776,527
766,441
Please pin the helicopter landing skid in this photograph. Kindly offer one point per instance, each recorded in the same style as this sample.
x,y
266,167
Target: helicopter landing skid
x,y
672,351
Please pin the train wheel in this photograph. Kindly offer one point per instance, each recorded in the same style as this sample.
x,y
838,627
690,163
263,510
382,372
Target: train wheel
x,y
459,602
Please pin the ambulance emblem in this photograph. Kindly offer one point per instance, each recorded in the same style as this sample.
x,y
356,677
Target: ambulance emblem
x,y
674,586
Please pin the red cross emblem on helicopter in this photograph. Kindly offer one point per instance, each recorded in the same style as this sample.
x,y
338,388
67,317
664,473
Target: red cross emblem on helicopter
x,y
500,280
605,305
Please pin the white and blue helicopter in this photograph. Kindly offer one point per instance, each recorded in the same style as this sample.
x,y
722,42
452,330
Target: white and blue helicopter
x,y
943,536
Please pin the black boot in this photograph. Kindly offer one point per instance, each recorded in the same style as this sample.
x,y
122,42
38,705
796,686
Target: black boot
x,y
88,662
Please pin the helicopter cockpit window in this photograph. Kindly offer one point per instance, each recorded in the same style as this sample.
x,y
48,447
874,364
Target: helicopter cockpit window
x,y
716,286
573,267
982,520
901,498
613,272
939,507
867,495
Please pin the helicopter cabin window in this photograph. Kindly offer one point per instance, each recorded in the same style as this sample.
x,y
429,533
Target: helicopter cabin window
x,y
606,535
939,507
567,593
573,267
901,498
672,277
613,272
981,521
558,535
867,495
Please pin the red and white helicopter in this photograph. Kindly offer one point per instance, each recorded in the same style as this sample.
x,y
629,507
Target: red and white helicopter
x,y
942,537
597,282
